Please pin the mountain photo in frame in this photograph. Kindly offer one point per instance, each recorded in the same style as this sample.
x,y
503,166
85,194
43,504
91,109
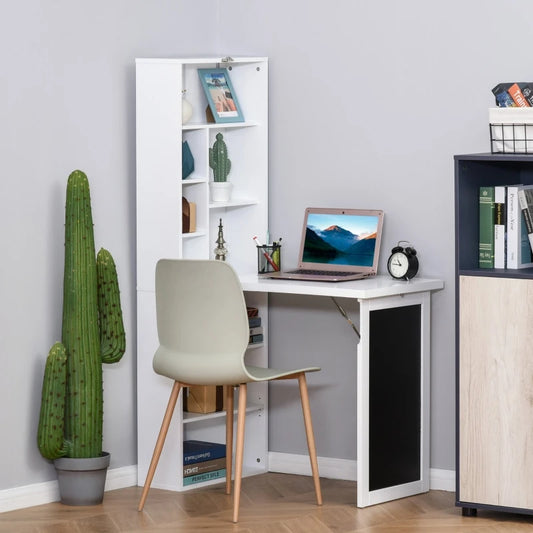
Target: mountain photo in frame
x,y
220,95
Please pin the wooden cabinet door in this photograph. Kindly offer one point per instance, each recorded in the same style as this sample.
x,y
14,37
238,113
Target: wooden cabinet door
x,y
496,391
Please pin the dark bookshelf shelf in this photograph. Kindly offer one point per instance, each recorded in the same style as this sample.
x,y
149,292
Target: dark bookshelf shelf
x,y
522,273
473,171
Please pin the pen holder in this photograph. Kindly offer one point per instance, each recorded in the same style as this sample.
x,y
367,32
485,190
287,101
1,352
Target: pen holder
x,y
268,258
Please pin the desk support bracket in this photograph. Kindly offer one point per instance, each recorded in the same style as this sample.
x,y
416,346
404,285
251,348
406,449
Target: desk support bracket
x,y
344,314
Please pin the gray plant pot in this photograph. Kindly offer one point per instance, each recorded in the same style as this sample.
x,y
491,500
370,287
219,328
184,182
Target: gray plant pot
x,y
82,481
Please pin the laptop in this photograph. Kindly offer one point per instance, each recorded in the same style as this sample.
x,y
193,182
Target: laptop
x,y
337,245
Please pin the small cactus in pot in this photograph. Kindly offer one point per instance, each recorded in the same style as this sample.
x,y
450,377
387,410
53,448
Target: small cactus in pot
x,y
221,165
218,159
71,418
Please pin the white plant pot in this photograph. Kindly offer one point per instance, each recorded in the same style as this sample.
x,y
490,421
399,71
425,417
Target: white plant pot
x,y
220,191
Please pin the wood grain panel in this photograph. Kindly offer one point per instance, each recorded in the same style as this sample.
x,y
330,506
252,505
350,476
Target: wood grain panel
x,y
496,391
271,503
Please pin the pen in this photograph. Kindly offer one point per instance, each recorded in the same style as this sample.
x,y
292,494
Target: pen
x,y
267,256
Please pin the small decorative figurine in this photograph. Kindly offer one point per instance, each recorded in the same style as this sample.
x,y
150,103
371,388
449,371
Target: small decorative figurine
x,y
220,250
218,159
186,108
221,165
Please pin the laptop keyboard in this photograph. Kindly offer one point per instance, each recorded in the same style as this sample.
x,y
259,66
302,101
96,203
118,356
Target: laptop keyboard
x,y
321,272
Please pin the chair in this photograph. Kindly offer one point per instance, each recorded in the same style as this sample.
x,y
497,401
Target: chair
x,y
189,294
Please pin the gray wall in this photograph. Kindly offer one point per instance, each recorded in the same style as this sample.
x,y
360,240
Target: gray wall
x,y
368,103
67,101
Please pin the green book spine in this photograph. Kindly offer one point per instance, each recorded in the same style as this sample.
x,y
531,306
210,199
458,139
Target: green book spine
x,y
486,227
206,476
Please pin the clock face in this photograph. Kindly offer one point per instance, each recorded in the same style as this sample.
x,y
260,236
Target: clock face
x,y
398,265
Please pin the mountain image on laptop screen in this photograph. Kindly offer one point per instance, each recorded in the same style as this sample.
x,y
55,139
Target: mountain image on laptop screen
x,y
340,239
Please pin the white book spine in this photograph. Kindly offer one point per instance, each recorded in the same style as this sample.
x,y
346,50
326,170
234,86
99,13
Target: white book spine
x,y
513,227
499,226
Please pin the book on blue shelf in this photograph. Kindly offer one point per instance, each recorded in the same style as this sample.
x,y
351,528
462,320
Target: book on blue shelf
x,y
254,321
254,339
206,476
195,451
525,197
193,469
518,249
486,227
499,225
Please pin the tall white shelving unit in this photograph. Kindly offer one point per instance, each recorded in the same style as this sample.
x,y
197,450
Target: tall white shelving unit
x,y
160,188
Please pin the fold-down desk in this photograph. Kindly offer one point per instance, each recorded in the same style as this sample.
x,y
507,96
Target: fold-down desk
x,y
393,378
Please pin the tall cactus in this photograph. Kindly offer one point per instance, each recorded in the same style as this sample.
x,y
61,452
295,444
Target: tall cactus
x,y
92,333
218,159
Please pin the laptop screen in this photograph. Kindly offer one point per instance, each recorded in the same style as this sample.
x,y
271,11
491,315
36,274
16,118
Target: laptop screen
x,y
341,239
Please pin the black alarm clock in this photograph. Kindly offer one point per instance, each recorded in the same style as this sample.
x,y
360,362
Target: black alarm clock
x,y
403,262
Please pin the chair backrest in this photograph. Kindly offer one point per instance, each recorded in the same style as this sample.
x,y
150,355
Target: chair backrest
x,y
202,322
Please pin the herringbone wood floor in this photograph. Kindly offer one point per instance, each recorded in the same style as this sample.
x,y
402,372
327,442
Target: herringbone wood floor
x,y
270,503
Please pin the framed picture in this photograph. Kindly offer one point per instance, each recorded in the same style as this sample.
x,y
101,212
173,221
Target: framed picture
x,y
220,95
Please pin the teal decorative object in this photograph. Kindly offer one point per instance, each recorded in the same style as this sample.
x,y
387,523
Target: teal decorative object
x,y
218,159
71,417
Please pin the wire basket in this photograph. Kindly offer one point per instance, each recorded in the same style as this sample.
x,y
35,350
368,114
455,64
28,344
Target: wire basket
x,y
511,138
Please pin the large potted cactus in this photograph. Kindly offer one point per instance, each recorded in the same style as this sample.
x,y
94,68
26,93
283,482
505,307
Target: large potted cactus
x,y
71,418
221,165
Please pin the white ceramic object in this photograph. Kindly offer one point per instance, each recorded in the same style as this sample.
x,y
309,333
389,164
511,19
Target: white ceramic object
x,y
186,110
220,191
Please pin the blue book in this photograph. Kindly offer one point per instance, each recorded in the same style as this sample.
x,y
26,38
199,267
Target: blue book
x,y
196,451
206,476
254,321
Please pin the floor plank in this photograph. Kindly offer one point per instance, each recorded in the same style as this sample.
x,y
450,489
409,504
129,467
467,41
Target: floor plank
x,y
270,503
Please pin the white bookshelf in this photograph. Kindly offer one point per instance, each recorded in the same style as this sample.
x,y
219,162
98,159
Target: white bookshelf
x,y
160,133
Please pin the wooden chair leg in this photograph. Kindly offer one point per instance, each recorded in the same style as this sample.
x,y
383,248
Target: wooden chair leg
x,y
229,435
160,441
310,435
239,450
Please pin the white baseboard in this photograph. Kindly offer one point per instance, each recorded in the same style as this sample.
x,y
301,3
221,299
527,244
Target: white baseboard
x,y
118,478
288,463
48,492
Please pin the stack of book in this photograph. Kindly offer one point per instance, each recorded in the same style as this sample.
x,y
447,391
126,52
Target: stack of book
x,y
514,94
506,226
203,461
254,322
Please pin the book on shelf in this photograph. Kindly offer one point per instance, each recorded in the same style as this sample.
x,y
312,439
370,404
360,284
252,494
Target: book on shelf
x,y
525,197
256,330
517,95
195,451
486,227
519,253
255,339
254,322
206,476
194,469
499,226
513,94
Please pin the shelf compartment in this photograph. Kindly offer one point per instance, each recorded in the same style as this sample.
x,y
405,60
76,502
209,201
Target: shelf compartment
x,y
195,234
220,126
232,203
189,418
192,181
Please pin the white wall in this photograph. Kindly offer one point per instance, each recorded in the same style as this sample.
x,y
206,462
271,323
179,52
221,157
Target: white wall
x,y
369,101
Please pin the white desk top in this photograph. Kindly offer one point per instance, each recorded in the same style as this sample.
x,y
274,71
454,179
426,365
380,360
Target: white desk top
x,y
375,287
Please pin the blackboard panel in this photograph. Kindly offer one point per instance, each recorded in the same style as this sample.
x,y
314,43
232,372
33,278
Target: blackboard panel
x,y
395,396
